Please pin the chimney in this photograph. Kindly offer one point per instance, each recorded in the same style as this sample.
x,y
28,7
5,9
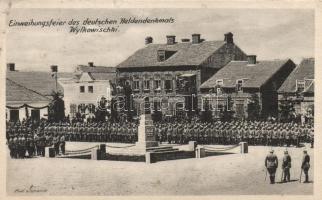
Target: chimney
x,y
148,40
185,40
11,67
54,68
171,39
195,38
229,38
91,64
251,59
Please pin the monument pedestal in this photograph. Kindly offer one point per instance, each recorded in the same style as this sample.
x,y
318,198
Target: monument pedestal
x,y
146,137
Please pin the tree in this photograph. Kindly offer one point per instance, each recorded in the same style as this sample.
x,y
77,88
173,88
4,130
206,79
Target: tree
x,y
206,114
286,109
227,114
101,111
56,109
253,108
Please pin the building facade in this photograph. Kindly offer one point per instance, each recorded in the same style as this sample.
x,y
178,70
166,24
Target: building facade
x,y
168,76
88,86
299,89
28,93
241,83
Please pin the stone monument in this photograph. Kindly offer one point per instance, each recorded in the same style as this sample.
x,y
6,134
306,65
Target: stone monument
x,y
146,137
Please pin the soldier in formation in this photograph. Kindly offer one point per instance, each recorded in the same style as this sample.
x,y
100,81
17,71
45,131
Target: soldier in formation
x,y
31,139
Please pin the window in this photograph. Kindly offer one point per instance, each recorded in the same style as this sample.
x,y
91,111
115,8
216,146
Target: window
x,y
300,85
82,108
220,82
168,85
81,89
73,110
35,114
14,115
239,85
157,85
219,91
136,85
161,55
91,108
90,89
146,84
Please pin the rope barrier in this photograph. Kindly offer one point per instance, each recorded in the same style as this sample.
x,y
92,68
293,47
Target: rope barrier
x,y
119,146
220,149
81,150
171,145
75,153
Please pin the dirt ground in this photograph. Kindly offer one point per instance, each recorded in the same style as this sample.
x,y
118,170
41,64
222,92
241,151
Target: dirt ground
x,y
229,174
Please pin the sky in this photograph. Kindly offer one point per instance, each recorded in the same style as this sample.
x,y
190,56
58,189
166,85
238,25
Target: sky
x,y
267,33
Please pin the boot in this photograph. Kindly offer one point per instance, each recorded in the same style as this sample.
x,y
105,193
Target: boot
x,y
306,178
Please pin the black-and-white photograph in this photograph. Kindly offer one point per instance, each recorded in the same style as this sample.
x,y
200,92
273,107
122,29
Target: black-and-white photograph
x,y
156,101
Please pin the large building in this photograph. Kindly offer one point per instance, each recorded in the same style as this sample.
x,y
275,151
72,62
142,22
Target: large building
x,y
86,88
165,74
241,80
28,93
299,89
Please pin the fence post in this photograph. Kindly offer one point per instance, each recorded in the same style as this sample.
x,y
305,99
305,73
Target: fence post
x,y
243,147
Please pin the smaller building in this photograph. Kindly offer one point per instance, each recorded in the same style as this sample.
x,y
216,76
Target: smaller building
x,y
22,103
86,88
299,89
238,83
28,93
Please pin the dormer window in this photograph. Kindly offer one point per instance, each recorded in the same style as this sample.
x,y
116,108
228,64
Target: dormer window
x,y
164,55
239,85
220,82
300,85
161,55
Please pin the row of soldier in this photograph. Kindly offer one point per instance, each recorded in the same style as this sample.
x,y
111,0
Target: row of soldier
x,y
29,145
255,133
33,139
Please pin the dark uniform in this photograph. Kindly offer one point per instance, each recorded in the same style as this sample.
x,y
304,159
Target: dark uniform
x,y
271,163
286,165
306,165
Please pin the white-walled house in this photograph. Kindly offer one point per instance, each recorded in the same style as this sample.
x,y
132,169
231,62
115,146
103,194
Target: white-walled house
x,y
84,90
28,93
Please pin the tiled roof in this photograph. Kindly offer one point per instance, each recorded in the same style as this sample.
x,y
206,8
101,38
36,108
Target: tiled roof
x,y
305,70
16,93
41,82
103,76
253,76
186,54
96,69
310,89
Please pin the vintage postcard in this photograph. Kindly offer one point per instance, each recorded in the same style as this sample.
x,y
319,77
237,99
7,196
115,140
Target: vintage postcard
x,y
166,99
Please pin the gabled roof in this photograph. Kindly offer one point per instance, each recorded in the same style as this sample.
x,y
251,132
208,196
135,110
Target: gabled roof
x,y
41,82
310,88
96,72
95,69
186,54
305,70
253,75
103,76
16,93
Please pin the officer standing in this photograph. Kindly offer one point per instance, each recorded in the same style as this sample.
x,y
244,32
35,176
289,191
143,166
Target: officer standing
x,y
271,163
306,165
286,165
